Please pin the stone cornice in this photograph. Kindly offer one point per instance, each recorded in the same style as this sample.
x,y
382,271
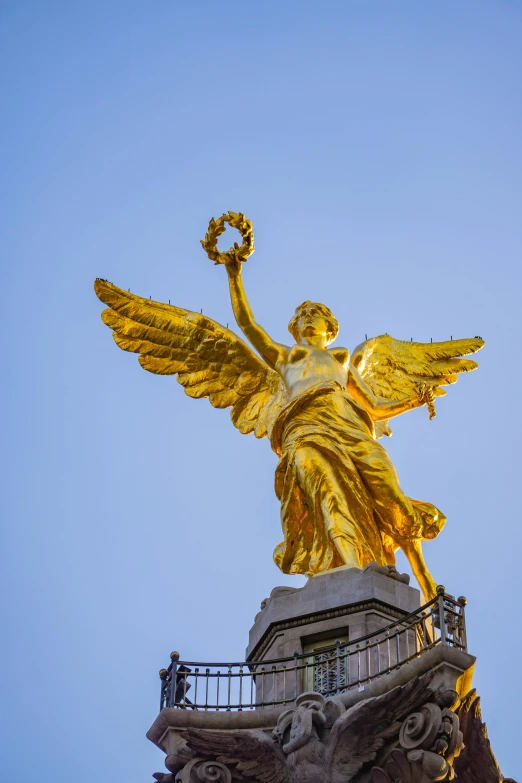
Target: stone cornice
x,y
316,617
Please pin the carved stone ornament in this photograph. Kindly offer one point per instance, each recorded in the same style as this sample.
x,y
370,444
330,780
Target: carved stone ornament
x,y
197,771
418,766
302,749
410,734
305,721
204,771
430,740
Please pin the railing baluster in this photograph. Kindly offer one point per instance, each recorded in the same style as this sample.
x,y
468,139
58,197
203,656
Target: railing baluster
x,y
240,706
462,623
338,665
263,686
442,615
174,657
229,686
217,689
196,678
327,678
207,672
358,648
163,694
182,689
284,684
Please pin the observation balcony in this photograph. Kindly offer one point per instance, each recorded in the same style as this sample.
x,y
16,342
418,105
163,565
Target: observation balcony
x,y
342,667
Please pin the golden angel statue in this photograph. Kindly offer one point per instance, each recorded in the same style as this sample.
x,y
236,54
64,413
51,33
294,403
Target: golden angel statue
x,y
322,408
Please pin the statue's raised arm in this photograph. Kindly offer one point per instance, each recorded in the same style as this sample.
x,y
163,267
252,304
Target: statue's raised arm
x,y
273,353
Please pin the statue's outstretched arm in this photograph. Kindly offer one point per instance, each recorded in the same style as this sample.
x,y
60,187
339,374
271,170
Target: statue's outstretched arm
x,y
377,408
270,351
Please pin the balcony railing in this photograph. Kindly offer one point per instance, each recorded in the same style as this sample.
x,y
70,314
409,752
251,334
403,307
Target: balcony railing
x,y
252,685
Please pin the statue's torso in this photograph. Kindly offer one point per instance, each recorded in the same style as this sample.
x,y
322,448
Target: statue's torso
x,y
305,366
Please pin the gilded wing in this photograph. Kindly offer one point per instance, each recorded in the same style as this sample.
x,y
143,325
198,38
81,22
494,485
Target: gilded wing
x,y
394,368
209,360
253,753
363,729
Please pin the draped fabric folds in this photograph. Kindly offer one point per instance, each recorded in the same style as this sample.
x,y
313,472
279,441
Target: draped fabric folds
x,y
334,480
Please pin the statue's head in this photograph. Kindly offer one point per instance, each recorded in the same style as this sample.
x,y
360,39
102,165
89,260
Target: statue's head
x,y
312,319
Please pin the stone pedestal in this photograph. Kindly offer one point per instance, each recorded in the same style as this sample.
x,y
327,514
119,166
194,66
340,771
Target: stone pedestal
x,y
345,604
337,607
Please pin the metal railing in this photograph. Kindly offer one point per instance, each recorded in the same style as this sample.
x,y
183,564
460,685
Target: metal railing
x,y
251,685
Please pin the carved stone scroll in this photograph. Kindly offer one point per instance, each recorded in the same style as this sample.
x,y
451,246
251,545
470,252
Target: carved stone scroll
x,y
430,740
204,771
418,766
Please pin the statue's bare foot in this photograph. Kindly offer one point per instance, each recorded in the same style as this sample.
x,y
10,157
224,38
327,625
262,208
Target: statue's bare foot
x,y
347,551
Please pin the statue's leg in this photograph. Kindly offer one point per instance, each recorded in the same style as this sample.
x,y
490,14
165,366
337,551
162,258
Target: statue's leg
x,y
347,551
389,547
413,551
401,521
399,517
318,481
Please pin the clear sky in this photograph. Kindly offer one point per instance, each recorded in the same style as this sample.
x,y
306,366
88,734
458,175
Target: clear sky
x,y
376,147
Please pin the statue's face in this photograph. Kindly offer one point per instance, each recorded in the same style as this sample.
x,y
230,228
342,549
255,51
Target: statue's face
x,y
312,324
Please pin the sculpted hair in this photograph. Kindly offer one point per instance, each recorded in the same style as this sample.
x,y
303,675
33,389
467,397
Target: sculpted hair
x,y
331,320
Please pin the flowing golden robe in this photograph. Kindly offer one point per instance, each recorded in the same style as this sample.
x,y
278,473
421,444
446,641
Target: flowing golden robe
x,y
334,479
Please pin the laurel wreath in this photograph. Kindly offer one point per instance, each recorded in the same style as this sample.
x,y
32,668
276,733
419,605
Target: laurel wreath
x,y
218,227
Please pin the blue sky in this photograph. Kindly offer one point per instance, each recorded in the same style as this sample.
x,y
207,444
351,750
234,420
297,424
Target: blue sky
x,y
376,147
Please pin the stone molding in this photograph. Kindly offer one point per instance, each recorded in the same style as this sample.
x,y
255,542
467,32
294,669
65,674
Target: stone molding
x,y
277,627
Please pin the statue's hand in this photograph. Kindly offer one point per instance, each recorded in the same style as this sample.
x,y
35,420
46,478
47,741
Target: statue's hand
x,y
234,267
424,396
